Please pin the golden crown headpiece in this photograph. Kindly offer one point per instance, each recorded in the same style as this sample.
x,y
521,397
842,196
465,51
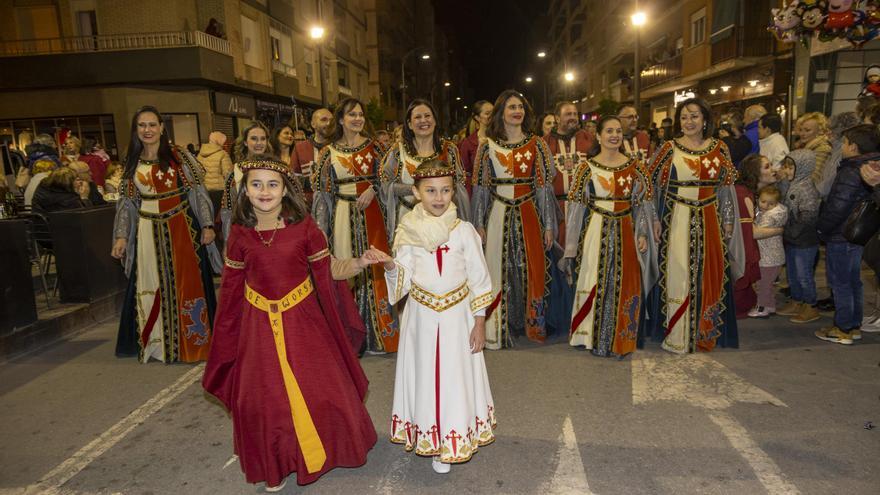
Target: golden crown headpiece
x,y
432,169
264,164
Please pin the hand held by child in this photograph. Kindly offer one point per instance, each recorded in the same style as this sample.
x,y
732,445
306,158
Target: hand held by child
x,y
478,335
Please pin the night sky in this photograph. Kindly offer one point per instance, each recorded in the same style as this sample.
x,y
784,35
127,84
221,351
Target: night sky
x,y
498,40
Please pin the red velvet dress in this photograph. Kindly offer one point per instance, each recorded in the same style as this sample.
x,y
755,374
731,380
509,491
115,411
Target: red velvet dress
x,y
744,295
292,385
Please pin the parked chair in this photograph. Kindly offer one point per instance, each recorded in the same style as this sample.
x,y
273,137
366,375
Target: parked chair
x,y
41,248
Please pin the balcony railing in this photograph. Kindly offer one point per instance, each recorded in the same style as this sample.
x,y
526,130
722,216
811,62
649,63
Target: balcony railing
x,y
662,72
113,42
743,43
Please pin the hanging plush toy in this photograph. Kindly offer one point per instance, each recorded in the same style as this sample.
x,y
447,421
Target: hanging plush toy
x,y
785,22
871,84
840,15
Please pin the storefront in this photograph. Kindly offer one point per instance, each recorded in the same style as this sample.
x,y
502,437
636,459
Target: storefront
x,y
232,113
18,133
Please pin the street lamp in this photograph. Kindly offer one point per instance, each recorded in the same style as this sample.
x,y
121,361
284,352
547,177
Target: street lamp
x,y
569,76
529,79
542,54
447,84
316,32
639,19
425,56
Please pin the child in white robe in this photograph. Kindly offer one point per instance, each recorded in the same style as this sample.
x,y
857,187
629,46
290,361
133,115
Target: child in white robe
x,y
443,406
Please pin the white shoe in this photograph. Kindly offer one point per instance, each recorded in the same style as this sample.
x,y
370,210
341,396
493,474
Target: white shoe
x,y
440,467
871,323
274,489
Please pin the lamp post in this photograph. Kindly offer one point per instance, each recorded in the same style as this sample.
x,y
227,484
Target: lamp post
x,y
638,19
317,34
425,56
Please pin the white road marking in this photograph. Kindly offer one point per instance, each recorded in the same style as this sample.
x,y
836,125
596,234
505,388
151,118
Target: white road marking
x,y
570,477
51,482
696,379
767,471
699,380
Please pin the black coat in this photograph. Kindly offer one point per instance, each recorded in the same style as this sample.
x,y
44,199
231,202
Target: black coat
x,y
48,199
847,191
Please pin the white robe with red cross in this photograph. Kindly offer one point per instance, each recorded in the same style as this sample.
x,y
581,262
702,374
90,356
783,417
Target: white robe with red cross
x,y
442,402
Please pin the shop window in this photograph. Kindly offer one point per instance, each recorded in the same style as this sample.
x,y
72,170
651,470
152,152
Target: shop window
x,y
342,73
698,27
309,56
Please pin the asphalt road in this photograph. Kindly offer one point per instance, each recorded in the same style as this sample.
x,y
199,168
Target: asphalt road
x,y
786,413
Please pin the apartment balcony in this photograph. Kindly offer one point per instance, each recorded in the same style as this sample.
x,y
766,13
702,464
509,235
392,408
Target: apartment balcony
x,y
744,42
660,73
176,56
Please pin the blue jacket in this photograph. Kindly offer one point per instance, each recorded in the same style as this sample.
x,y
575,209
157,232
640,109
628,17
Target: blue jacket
x,y
847,191
752,134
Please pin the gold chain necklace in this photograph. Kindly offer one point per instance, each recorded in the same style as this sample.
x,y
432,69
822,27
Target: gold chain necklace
x,y
269,242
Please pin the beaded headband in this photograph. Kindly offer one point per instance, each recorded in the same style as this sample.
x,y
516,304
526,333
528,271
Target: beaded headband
x,y
432,170
264,164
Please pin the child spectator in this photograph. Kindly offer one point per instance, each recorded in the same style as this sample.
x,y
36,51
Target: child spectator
x,y
799,236
773,144
844,259
769,222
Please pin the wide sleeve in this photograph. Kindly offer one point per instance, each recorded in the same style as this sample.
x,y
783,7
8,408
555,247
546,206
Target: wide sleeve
x,y
322,203
482,195
226,202
462,198
125,221
545,197
399,278
390,190
478,279
337,305
576,209
467,152
218,376
645,215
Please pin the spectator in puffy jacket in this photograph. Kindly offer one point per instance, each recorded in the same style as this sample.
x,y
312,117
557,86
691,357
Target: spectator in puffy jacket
x,y
216,161
844,259
799,236
871,175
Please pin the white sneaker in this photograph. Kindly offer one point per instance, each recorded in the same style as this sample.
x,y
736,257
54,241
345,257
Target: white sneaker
x,y
275,489
759,312
440,467
871,323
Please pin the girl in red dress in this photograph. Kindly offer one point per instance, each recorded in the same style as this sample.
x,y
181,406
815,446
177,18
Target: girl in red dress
x,y
280,360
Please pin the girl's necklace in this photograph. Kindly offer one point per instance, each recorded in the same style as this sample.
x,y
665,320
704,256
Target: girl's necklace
x,y
269,242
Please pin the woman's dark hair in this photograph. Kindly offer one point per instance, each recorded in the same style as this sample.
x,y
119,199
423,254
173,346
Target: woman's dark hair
x,y
136,147
750,172
600,125
409,135
293,206
342,108
705,110
496,121
88,145
61,178
240,150
539,125
275,145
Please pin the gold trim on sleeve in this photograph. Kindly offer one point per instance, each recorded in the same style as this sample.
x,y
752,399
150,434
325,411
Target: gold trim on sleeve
x,y
481,302
238,265
319,255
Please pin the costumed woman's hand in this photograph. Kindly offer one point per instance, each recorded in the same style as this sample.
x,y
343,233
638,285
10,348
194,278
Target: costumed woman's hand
x,y
482,232
548,239
643,244
478,335
365,199
728,230
118,250
207,236
657,229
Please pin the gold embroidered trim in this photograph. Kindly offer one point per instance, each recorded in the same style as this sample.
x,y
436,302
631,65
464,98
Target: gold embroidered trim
x,y
442,302
239,265
481,302
319,255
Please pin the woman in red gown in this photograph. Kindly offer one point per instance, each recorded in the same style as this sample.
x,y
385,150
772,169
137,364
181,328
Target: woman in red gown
x,y
280,360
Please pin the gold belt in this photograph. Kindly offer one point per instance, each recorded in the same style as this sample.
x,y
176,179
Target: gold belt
x,y
439,303
306,433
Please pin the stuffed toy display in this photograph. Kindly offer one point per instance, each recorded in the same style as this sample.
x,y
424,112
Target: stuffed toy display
x,y
857,21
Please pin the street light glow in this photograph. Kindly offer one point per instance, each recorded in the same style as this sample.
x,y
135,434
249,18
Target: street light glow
x,y
529,79
569,76
639,19
725,88
447,84
458,98
426,56
542,54
316,33
753,83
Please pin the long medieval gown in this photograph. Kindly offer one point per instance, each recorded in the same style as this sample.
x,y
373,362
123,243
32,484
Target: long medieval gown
x,y
397,180
339,178
168,311
281,361
698,264
442,401
513,201
609,209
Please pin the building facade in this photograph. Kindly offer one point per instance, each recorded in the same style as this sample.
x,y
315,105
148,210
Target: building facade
x,y
87,65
